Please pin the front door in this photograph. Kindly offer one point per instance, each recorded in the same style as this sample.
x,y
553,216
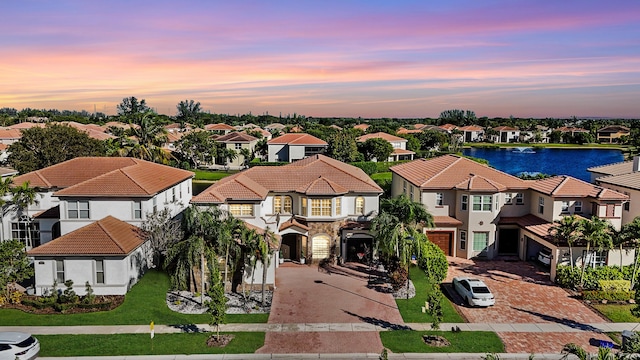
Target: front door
x,y
508,241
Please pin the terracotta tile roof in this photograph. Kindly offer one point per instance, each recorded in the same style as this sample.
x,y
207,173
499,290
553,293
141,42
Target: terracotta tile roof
x,y
452,172
4,147
408,131
448,127
567,186
297,139
531,223
505,128
362,127
322,186
446,221
471,128
105,176
263,132
10,133
397,151
418,126
236,137
142,179
275,126
611,129
317,174
334,126
381,135
174,137
26,125
630,180
105,237
293,222
218,127
571,129
613,169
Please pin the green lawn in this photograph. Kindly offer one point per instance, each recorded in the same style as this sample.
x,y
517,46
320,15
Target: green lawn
x,y
411,310
408,341
382,176
616,312
142,344
145,302
211,175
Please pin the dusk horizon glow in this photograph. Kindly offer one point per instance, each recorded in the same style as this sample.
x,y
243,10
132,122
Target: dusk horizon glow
x,y
370,59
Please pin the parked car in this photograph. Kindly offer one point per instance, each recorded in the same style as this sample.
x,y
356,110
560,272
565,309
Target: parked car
x,y
474,291
544,256
18,346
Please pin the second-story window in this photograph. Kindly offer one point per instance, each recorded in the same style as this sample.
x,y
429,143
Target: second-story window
x,y
338,207
540,205
482,202
241,209
78,209
359,205
565,206
137,210
320,207
303,207
519,198
507,199
277,204
464,202
439,199
238,146
577,207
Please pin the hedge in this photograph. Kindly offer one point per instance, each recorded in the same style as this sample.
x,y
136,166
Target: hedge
x,y
433,261
596,295
592,276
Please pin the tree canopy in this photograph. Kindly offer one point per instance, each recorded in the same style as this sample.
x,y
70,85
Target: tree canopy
x,y
53,144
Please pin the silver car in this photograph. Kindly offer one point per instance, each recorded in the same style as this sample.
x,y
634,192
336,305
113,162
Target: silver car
x,y
18,346
474,291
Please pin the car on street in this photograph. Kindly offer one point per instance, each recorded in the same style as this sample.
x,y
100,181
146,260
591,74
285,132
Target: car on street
x,y
18,346
473,291
544,256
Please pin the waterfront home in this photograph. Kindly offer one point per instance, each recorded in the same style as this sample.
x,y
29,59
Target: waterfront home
x,y
85,195
505,134
623,177
612,134
482,212
294,146
472,133
319,206
399,145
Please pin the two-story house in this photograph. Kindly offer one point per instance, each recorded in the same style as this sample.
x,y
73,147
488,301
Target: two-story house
x,y
482,212
472,133
87,205
623,177
312,204
236,141
506,134
294,146
612,133
399,144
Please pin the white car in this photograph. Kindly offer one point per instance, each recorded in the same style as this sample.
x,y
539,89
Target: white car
x,y
18,346
474,291
544,256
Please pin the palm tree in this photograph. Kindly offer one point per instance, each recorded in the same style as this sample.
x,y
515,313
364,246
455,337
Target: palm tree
x,y
189,111
597,234
23,196
630,233
265,258
150,135
5,188
247,156
567,230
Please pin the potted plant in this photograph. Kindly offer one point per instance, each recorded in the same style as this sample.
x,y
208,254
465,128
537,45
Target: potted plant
x,y
280,258
302,258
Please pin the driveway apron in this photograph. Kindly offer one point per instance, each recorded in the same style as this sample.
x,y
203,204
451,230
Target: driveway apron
x,y
335,294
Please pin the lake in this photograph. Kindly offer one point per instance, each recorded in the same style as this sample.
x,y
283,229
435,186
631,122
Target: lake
x,y
552,161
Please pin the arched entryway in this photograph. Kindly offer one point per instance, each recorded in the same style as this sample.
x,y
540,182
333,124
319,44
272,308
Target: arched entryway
x,y
291,247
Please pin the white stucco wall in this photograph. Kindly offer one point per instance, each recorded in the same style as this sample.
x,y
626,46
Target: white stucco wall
x,y
278,152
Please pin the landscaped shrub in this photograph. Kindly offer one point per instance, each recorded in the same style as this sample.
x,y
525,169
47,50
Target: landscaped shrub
x,y
368,167
433,261
567,278
632,344
597,295
68,295
615,285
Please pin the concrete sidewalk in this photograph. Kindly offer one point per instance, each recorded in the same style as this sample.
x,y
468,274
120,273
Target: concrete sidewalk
x,y
436,356
324,327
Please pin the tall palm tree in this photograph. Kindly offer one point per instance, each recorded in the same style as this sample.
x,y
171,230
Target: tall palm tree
x,y
189,111
568,229
597,234
23,196
630,234
247,156
150,135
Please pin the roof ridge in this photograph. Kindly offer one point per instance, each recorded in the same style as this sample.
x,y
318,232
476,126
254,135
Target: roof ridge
x,y
458,158
244,181
132,179
562,183
42,177
100,224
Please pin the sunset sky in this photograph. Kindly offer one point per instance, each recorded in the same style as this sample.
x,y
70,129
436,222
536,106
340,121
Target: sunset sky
x,y
526,58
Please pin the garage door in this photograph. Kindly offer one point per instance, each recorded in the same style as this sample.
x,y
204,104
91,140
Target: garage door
x,y
442,239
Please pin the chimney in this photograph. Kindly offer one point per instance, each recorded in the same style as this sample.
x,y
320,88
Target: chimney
x,y
636,163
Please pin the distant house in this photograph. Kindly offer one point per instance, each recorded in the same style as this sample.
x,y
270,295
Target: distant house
x,y
399,144
363,127
482,212
237,141
506,134
275,127
612,133
472,133
570,131
294,146
448,127
82,195
221,128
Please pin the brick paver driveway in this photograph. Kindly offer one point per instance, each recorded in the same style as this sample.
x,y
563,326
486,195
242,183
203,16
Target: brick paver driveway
x,y
525,294
307,294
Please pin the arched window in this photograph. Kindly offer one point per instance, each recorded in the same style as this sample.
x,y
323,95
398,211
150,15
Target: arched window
x,y
359,205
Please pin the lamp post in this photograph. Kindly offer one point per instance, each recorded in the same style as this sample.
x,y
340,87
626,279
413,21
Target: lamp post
x,y
408,262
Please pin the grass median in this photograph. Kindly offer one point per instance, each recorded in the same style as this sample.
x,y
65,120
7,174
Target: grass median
x,y
408,341
145,302
142,344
